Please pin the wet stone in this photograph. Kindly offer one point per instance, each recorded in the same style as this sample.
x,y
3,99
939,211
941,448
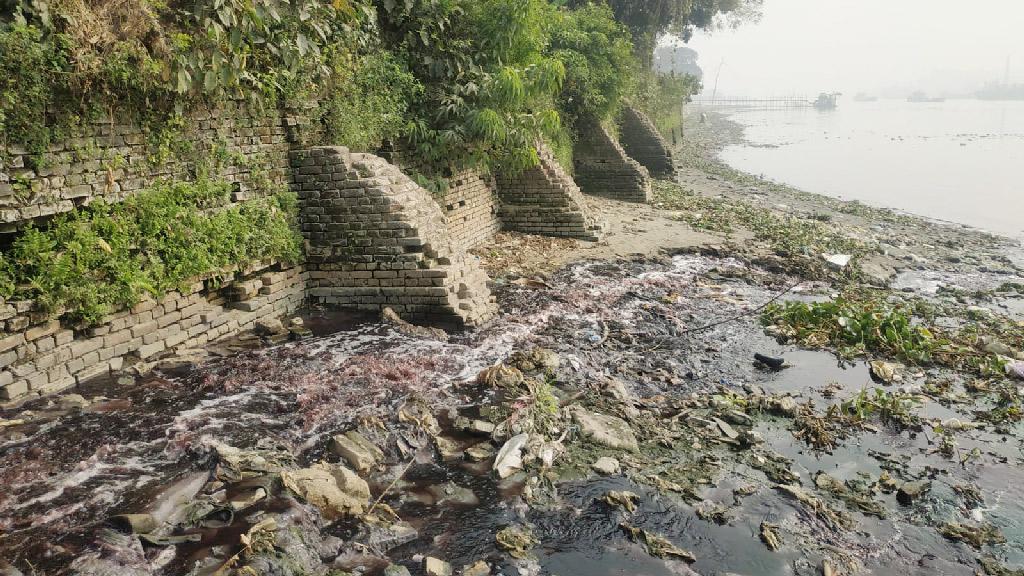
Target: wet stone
x,y
435,567
479,452
355,449
476,427
452,493
606,466
609,431
912,491
72,402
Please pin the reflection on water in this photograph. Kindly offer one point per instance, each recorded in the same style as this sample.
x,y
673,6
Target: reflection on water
x,y
957,160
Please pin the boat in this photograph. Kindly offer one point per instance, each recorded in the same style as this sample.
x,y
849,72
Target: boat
x,y
827,100
920,96
862,97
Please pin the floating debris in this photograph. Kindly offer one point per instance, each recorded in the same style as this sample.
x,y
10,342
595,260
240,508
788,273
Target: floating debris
x,y
770,536
621,499
516,540
657,546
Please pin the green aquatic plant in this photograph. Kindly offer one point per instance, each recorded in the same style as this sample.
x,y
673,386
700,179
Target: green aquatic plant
x,y
855,326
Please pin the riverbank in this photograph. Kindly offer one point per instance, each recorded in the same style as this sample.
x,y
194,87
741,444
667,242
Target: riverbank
x,y
612,418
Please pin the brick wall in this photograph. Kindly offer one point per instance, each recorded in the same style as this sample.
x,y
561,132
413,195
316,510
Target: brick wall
x,y
376,239
471,209
545,200
604,169
41,356
110,160
642,141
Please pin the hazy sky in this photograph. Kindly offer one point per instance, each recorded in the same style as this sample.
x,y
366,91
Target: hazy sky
x,y
884,47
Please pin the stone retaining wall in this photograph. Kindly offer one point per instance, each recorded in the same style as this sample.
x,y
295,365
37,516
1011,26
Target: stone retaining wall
x,y
545,200
39,355
376,239
642,141
604,169
471,209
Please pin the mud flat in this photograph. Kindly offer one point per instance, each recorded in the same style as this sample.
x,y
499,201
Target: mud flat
x,y
612,418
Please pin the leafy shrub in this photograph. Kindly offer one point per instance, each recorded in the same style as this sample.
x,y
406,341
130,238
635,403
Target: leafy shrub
x,y
368,100
28,68
488,87
104,257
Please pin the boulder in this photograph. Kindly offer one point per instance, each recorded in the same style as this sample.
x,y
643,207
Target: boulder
x,y
359,452
319,485
608,431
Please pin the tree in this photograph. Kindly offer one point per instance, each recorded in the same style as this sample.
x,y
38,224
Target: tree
x,y
647,19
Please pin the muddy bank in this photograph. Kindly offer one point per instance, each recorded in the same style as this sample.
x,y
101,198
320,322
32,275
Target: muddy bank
x,y
613,418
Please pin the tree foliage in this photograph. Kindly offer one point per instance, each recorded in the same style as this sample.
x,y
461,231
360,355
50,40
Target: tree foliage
x,y
488,86
648,19
598,58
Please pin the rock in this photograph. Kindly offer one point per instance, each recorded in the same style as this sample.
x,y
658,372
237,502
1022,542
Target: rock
x,y
606,465
783,405
447,448
476,427
452,493
479,452
1015,369
616,389
389,536
396,570
72,402
350,482
434,567
911,491
297,329
389,316
359,452
837,261
335,490
510,457
775,363
993,346
269,327
608,431
726,429
480,568
236,463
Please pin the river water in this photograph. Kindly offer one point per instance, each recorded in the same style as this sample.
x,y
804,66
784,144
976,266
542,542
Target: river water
x,y
958,160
